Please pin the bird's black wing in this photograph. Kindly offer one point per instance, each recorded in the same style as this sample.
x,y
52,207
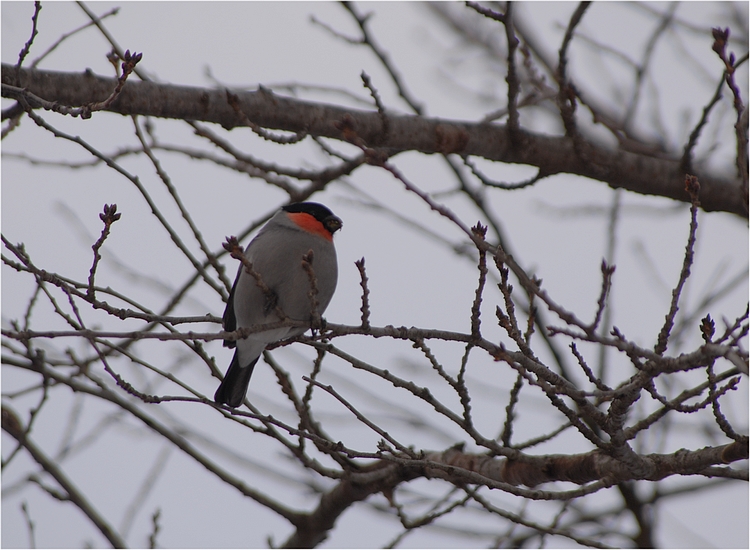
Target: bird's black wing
x,y
230,321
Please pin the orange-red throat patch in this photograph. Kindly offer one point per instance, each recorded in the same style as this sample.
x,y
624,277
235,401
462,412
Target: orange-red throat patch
x,y
310,224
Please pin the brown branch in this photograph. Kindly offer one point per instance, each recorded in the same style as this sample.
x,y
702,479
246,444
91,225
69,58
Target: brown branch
x,y
540,175
692,186
30,100
721,39
607,271
365,309
487,12
367,81
480,232
109,216
73,287
27,47
507,431
566,98
512,78
586,468
23,335
313,528
233,101
553,154
362,418
687,154
587,370
65,36
369,40
641,69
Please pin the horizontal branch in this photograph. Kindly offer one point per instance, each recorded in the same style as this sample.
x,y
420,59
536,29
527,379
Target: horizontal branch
x,y
552,154
682,362
594,466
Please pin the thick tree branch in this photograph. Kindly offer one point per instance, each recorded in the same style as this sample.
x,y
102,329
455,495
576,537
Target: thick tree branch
x,y
359,486
586,468
552,154
532,471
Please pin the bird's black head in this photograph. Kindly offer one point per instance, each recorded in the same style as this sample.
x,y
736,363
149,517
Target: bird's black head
x,y
318,211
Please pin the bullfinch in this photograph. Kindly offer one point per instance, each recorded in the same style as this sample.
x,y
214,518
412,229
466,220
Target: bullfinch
x,y
280,285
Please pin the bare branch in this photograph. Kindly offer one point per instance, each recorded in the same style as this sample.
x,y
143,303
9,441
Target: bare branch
x,y
13,427
556,154
27,47
692,187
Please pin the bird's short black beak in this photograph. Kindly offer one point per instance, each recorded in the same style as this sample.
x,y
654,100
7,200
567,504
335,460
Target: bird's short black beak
x,y
333,224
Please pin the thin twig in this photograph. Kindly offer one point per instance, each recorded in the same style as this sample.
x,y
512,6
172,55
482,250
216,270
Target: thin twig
x,y
692,187
109,216
234,101
365,309
368,40
540,175
566,97
721,39
65,36
27,47
386,127
480,232
607,271
362,418
507,431
514,84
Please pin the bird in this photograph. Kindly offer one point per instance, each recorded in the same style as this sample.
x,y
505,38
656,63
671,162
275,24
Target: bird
x,y
279,285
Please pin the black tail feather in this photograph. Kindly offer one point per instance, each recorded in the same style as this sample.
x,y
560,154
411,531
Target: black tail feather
x,y
233,388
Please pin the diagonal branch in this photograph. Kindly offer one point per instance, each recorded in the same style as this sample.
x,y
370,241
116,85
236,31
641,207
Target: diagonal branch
x,y
12,426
